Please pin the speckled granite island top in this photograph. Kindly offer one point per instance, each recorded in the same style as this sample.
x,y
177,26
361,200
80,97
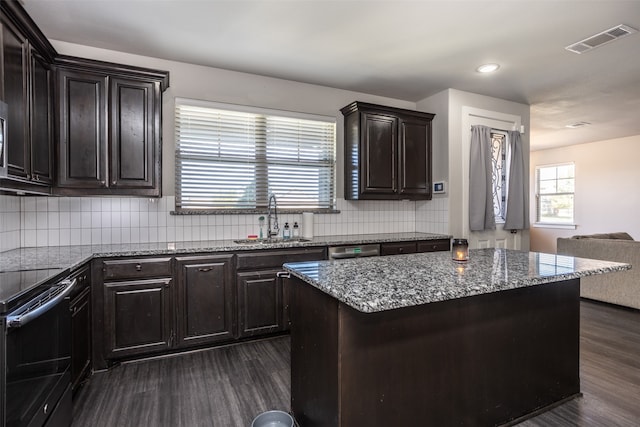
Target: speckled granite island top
x,y
384,283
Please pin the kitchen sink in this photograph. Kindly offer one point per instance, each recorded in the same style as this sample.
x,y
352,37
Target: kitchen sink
x,y
270,241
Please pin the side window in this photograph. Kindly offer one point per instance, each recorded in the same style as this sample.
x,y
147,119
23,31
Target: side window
x,y
499,173
555,187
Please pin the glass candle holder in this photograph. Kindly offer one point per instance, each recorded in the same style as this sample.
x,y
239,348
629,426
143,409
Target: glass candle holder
x,y
460,250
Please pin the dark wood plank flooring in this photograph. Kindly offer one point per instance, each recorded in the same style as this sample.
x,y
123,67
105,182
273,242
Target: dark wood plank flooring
x,y
228,386
223,387
609,371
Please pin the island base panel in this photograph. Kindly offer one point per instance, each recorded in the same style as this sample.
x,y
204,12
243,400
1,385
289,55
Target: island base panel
x,y
482,360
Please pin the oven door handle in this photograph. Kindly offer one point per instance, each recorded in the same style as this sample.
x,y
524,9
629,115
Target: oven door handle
x,y
22,319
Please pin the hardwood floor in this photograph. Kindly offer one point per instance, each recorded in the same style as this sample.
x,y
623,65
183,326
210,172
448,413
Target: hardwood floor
x,y
222,387
609,371
228,386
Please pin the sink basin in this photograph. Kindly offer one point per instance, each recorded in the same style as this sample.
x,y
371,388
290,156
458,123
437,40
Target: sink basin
x,y
270,241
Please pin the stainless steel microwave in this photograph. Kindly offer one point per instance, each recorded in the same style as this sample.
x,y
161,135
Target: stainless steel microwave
x,y
4,113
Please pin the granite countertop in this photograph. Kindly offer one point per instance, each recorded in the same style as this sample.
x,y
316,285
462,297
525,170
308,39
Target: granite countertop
x,y
74,256
384,283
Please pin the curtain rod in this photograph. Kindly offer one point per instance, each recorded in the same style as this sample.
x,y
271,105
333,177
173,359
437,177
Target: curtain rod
x,y
503,130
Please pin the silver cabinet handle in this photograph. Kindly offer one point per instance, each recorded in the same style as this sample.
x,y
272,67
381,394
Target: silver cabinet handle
x,y
205,269
352,255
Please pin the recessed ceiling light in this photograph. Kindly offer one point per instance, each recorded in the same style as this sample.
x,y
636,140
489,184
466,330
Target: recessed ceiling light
x,y
577,125
488,68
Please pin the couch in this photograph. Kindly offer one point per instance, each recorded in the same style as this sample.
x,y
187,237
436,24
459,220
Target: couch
x,y
622,288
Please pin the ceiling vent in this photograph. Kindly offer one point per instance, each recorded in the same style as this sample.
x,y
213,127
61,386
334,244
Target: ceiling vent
x,y
600,39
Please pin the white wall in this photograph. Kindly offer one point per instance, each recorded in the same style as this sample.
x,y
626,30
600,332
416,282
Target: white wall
x,y
607,198
448,106
429,219
214,84
91,220
94,220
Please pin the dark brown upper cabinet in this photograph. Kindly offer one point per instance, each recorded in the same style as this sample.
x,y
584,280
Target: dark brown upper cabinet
x,y
387,152
110,128
82,147
26,88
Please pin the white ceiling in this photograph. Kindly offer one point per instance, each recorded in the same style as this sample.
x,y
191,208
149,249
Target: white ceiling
x,y
400,49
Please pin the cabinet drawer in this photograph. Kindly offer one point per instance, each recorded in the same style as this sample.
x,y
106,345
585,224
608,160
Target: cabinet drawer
x,y
275,259
434,245
398,248
135,268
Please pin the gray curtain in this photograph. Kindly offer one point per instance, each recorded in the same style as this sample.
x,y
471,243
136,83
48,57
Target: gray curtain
x,y
481,216
517,212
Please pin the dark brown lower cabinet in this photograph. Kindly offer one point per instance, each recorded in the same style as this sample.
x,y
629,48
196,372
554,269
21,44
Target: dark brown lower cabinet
x,y
80,337
205,299
138,317
399,248
263,297
484,360
260,303
434,245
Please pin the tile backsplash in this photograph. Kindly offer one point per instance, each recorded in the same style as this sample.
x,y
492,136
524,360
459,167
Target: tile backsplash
x,y
9,222
62,221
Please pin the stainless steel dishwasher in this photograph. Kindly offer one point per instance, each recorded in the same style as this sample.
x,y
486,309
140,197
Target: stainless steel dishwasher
x,y
354,251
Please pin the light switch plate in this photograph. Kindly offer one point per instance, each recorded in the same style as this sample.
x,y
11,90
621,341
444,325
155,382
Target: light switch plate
x,y
439,187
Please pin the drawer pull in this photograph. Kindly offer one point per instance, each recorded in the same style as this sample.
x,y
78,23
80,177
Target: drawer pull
x,y
138,267
283,274
205,269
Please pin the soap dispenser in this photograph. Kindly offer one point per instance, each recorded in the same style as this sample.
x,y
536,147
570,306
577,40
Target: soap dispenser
x,y
296,230
286,232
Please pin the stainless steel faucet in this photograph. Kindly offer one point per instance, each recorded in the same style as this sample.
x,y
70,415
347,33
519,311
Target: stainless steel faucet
x,y
272,232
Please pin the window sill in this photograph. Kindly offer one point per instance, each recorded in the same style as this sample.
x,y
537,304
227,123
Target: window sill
x,y
251,211
558,226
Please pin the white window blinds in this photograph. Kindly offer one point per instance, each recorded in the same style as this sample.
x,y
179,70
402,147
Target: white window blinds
x,y
230,159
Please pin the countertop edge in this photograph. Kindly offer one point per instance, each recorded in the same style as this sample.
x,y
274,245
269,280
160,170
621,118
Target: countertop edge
x,y
81,254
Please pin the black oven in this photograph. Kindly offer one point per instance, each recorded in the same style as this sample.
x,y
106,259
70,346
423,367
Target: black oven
x,y
36,357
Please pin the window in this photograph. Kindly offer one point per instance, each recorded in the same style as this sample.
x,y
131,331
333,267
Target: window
x,y
555,186
499,173
232,157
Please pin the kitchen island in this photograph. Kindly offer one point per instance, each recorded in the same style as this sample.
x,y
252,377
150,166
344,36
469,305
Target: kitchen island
x,y
421,340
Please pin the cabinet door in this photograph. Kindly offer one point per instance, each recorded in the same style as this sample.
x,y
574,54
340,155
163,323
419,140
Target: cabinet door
x,y
135,135
15,94
41,120
80,337
415,158
205,299
260,308
137,317
379,161
82,153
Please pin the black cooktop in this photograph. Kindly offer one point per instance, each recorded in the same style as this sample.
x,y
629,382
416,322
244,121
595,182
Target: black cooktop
x,y
16,287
